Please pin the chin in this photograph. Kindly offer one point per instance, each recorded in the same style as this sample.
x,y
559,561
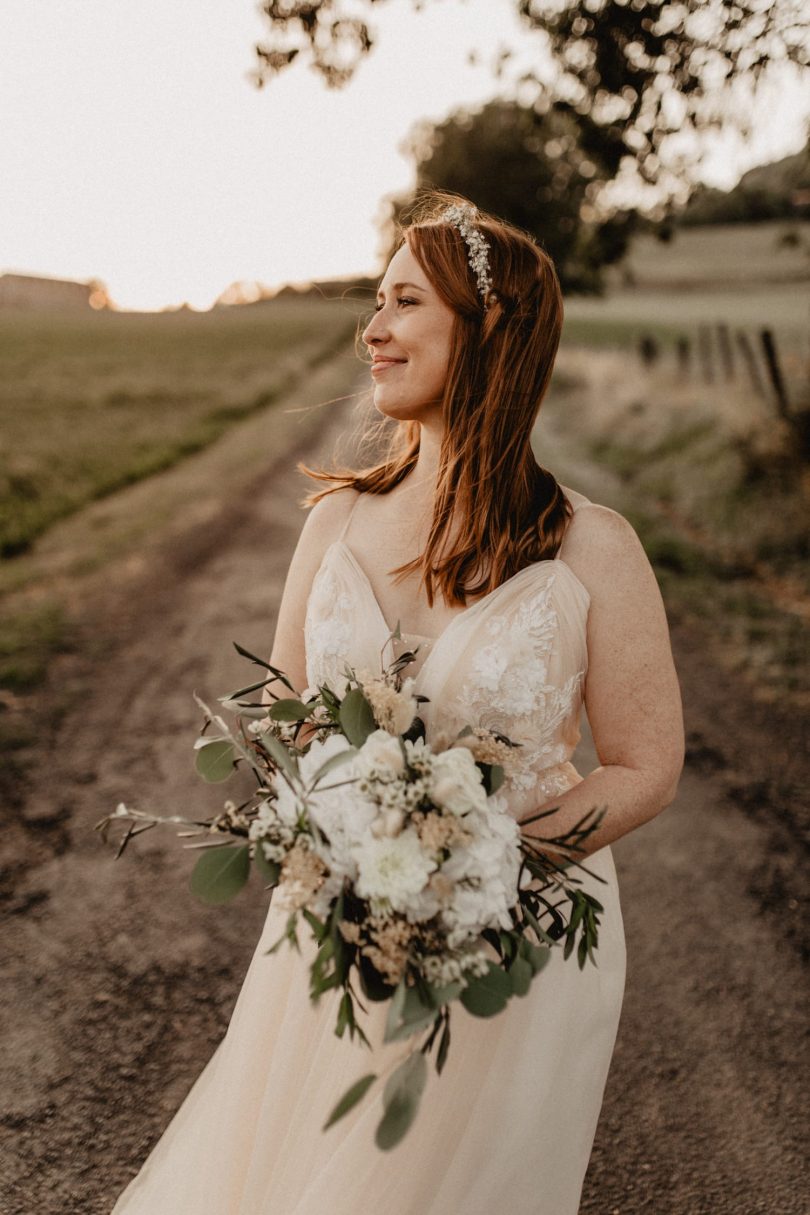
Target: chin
x,y
403,411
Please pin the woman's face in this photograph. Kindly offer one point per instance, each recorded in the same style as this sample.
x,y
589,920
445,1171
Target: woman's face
x,y
409,339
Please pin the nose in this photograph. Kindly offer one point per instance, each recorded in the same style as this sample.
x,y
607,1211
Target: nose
x,y
376,330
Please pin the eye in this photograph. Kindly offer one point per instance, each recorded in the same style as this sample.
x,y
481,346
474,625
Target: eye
x,y
403,299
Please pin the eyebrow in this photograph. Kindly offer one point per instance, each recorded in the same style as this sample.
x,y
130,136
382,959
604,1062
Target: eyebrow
x,y
397,286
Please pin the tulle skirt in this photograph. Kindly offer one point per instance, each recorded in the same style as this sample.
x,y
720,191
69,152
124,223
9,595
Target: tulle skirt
x,y
508,1125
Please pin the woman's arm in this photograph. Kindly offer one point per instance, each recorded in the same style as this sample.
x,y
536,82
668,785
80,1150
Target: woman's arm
x,y
321,527
631,689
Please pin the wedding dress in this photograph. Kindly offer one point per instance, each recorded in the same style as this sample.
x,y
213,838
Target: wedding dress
x,y
509,1124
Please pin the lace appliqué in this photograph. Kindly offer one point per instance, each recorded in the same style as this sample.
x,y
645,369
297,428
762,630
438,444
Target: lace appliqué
x,y
327,630
508,689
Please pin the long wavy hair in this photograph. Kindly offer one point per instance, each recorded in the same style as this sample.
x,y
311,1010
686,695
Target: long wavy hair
x,y
511,510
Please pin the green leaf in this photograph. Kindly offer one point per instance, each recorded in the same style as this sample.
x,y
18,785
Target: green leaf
x,y
334,761
288,710
444,1046
535,923
344,1014
269,871
488,994
318,927
492,777
521,973
414,1016
215,760
395,1008
401,1100
251,687
445,994
220,873
350,1098
356,718
536,955
276,749
274,671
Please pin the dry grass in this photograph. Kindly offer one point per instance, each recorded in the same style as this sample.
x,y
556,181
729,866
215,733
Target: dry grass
x,y
719,495
94,402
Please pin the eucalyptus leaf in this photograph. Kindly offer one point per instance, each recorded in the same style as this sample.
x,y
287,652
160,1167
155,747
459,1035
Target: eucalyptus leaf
x,y
521,972
536,955
395,1008
334,761
215,760
350,1098
276,749
269,871
220,873
414,1016
445,994
356,717
487,994
401,1097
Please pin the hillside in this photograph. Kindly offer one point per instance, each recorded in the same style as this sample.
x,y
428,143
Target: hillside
x,y
780,190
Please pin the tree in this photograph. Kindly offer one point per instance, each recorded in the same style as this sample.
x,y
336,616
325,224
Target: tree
x,y
529,168
631,72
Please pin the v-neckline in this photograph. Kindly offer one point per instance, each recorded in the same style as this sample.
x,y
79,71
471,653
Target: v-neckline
x,y
435,641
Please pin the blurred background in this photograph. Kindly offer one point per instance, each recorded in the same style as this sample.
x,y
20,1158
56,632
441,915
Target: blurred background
x,y
196,204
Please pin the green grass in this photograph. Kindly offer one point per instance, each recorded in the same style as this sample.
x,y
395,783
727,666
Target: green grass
x,y
29,639
92,402
600,329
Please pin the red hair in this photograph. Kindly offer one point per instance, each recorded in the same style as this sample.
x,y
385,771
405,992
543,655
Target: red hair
x,y
513,512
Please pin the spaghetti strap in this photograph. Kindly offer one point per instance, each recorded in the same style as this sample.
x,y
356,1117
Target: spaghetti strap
x,y
345,527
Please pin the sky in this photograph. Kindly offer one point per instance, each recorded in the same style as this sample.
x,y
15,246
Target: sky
x,y
134,148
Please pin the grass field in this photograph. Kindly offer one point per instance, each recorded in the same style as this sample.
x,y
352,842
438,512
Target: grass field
x,y
720,254
744,276
92,402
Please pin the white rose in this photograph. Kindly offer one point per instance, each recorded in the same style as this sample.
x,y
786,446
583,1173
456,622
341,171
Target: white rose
x,y
455,782
380,757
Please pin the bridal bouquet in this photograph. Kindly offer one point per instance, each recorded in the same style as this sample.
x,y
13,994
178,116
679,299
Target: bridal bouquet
x,y
418,886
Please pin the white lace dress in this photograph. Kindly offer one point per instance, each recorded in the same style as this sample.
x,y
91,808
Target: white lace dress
x,y
509,1124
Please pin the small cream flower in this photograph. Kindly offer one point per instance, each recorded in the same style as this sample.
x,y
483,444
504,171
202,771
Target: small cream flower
x,y
393,710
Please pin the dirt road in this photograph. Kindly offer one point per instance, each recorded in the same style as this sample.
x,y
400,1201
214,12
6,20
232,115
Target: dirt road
x,y
117,984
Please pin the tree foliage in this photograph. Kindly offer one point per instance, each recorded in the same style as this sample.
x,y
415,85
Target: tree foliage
x,y
636,70
530,169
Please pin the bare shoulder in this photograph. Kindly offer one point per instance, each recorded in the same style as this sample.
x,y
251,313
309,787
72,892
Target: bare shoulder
x,y
604,551
324,521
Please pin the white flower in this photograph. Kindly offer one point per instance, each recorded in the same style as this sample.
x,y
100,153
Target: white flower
x,y
388,823
392,868
380,757
455,782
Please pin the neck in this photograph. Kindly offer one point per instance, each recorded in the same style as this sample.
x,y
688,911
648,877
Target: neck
x,y
424,474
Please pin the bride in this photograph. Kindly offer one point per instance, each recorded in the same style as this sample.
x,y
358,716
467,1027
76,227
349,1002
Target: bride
x,y
524,600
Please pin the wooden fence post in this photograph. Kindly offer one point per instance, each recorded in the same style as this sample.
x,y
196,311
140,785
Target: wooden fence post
x,y
750,360
705,348
775,372
727,355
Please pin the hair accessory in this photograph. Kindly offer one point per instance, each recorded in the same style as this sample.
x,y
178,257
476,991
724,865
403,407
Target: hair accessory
x,y
461,217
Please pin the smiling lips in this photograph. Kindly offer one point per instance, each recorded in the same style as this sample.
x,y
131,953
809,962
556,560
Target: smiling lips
x,y
380,365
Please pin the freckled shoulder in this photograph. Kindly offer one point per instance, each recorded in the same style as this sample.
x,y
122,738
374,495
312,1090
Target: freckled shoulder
x,y
602,548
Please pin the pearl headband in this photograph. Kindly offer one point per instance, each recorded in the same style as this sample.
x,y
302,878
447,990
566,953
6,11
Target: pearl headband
x,y
461,217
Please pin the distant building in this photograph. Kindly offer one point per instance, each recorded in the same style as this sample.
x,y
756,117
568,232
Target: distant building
x,y
35,293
